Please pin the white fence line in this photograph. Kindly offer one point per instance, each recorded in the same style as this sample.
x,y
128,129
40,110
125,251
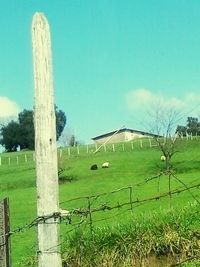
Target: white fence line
x,y
81,150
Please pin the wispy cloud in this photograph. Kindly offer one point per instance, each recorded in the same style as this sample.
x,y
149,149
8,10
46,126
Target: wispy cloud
x,y
8,108
143,98
155,112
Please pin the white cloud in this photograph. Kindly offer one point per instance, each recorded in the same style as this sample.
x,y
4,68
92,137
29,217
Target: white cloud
x,y
143,98
8,108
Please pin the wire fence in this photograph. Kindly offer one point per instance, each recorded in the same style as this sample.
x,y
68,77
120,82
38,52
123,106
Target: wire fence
x,y
21,158
85,212
77,216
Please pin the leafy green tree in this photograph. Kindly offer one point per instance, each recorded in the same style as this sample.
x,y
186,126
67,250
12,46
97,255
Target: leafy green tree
x,y
181,130
60,122
10,136
192,127
21,133
72,140
26,125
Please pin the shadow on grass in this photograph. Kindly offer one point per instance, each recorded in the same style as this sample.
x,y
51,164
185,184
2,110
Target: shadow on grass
x,y
67,178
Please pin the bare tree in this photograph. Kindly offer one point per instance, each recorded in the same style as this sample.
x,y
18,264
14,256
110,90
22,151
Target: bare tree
x,y
163,124
68,138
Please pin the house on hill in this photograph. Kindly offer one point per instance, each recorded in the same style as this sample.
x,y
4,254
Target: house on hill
x,y
121,135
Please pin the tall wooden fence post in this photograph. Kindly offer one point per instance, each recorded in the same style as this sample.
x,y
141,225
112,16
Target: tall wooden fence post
x,y
45,146
4,237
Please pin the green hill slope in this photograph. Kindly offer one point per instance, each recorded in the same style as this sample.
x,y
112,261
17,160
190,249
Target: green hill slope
x,y
130,164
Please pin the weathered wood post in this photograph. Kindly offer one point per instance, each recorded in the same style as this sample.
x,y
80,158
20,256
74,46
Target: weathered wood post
x,y
45,146
4,230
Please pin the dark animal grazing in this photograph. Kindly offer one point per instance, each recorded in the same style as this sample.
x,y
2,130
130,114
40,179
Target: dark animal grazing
x,y
94,167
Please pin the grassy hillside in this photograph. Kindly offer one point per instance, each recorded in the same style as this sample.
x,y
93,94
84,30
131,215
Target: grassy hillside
x,y
130,164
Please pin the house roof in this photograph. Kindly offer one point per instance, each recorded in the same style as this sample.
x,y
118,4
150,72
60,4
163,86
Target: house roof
x,y
121,131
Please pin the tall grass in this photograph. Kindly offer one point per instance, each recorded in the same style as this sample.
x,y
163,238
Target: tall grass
x,y
163,239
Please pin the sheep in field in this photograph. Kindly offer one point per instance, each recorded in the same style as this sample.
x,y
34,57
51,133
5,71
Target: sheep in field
x,y
94,167
163,158
105,164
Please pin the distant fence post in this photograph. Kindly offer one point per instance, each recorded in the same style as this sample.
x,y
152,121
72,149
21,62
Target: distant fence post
x,y
78,150
132,145
25,157
4,230
141,145
69,151
123,147
113,147
104,147
150,142
0,161
9,161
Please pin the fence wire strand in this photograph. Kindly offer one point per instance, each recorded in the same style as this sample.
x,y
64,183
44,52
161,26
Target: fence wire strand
x,y
84,212
84,215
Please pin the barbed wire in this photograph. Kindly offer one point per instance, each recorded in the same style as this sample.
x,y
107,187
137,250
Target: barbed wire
x,y
76,225
115,191
84,213
177,191
186,187
42,219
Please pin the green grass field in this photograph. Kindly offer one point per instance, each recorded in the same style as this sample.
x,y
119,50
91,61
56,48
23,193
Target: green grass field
x,y
129,164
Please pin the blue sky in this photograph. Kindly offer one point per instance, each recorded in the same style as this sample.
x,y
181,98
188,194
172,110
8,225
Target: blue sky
x,y
112,59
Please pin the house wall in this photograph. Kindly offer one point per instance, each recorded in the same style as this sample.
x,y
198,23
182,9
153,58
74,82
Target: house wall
x,y
119,137
130,136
